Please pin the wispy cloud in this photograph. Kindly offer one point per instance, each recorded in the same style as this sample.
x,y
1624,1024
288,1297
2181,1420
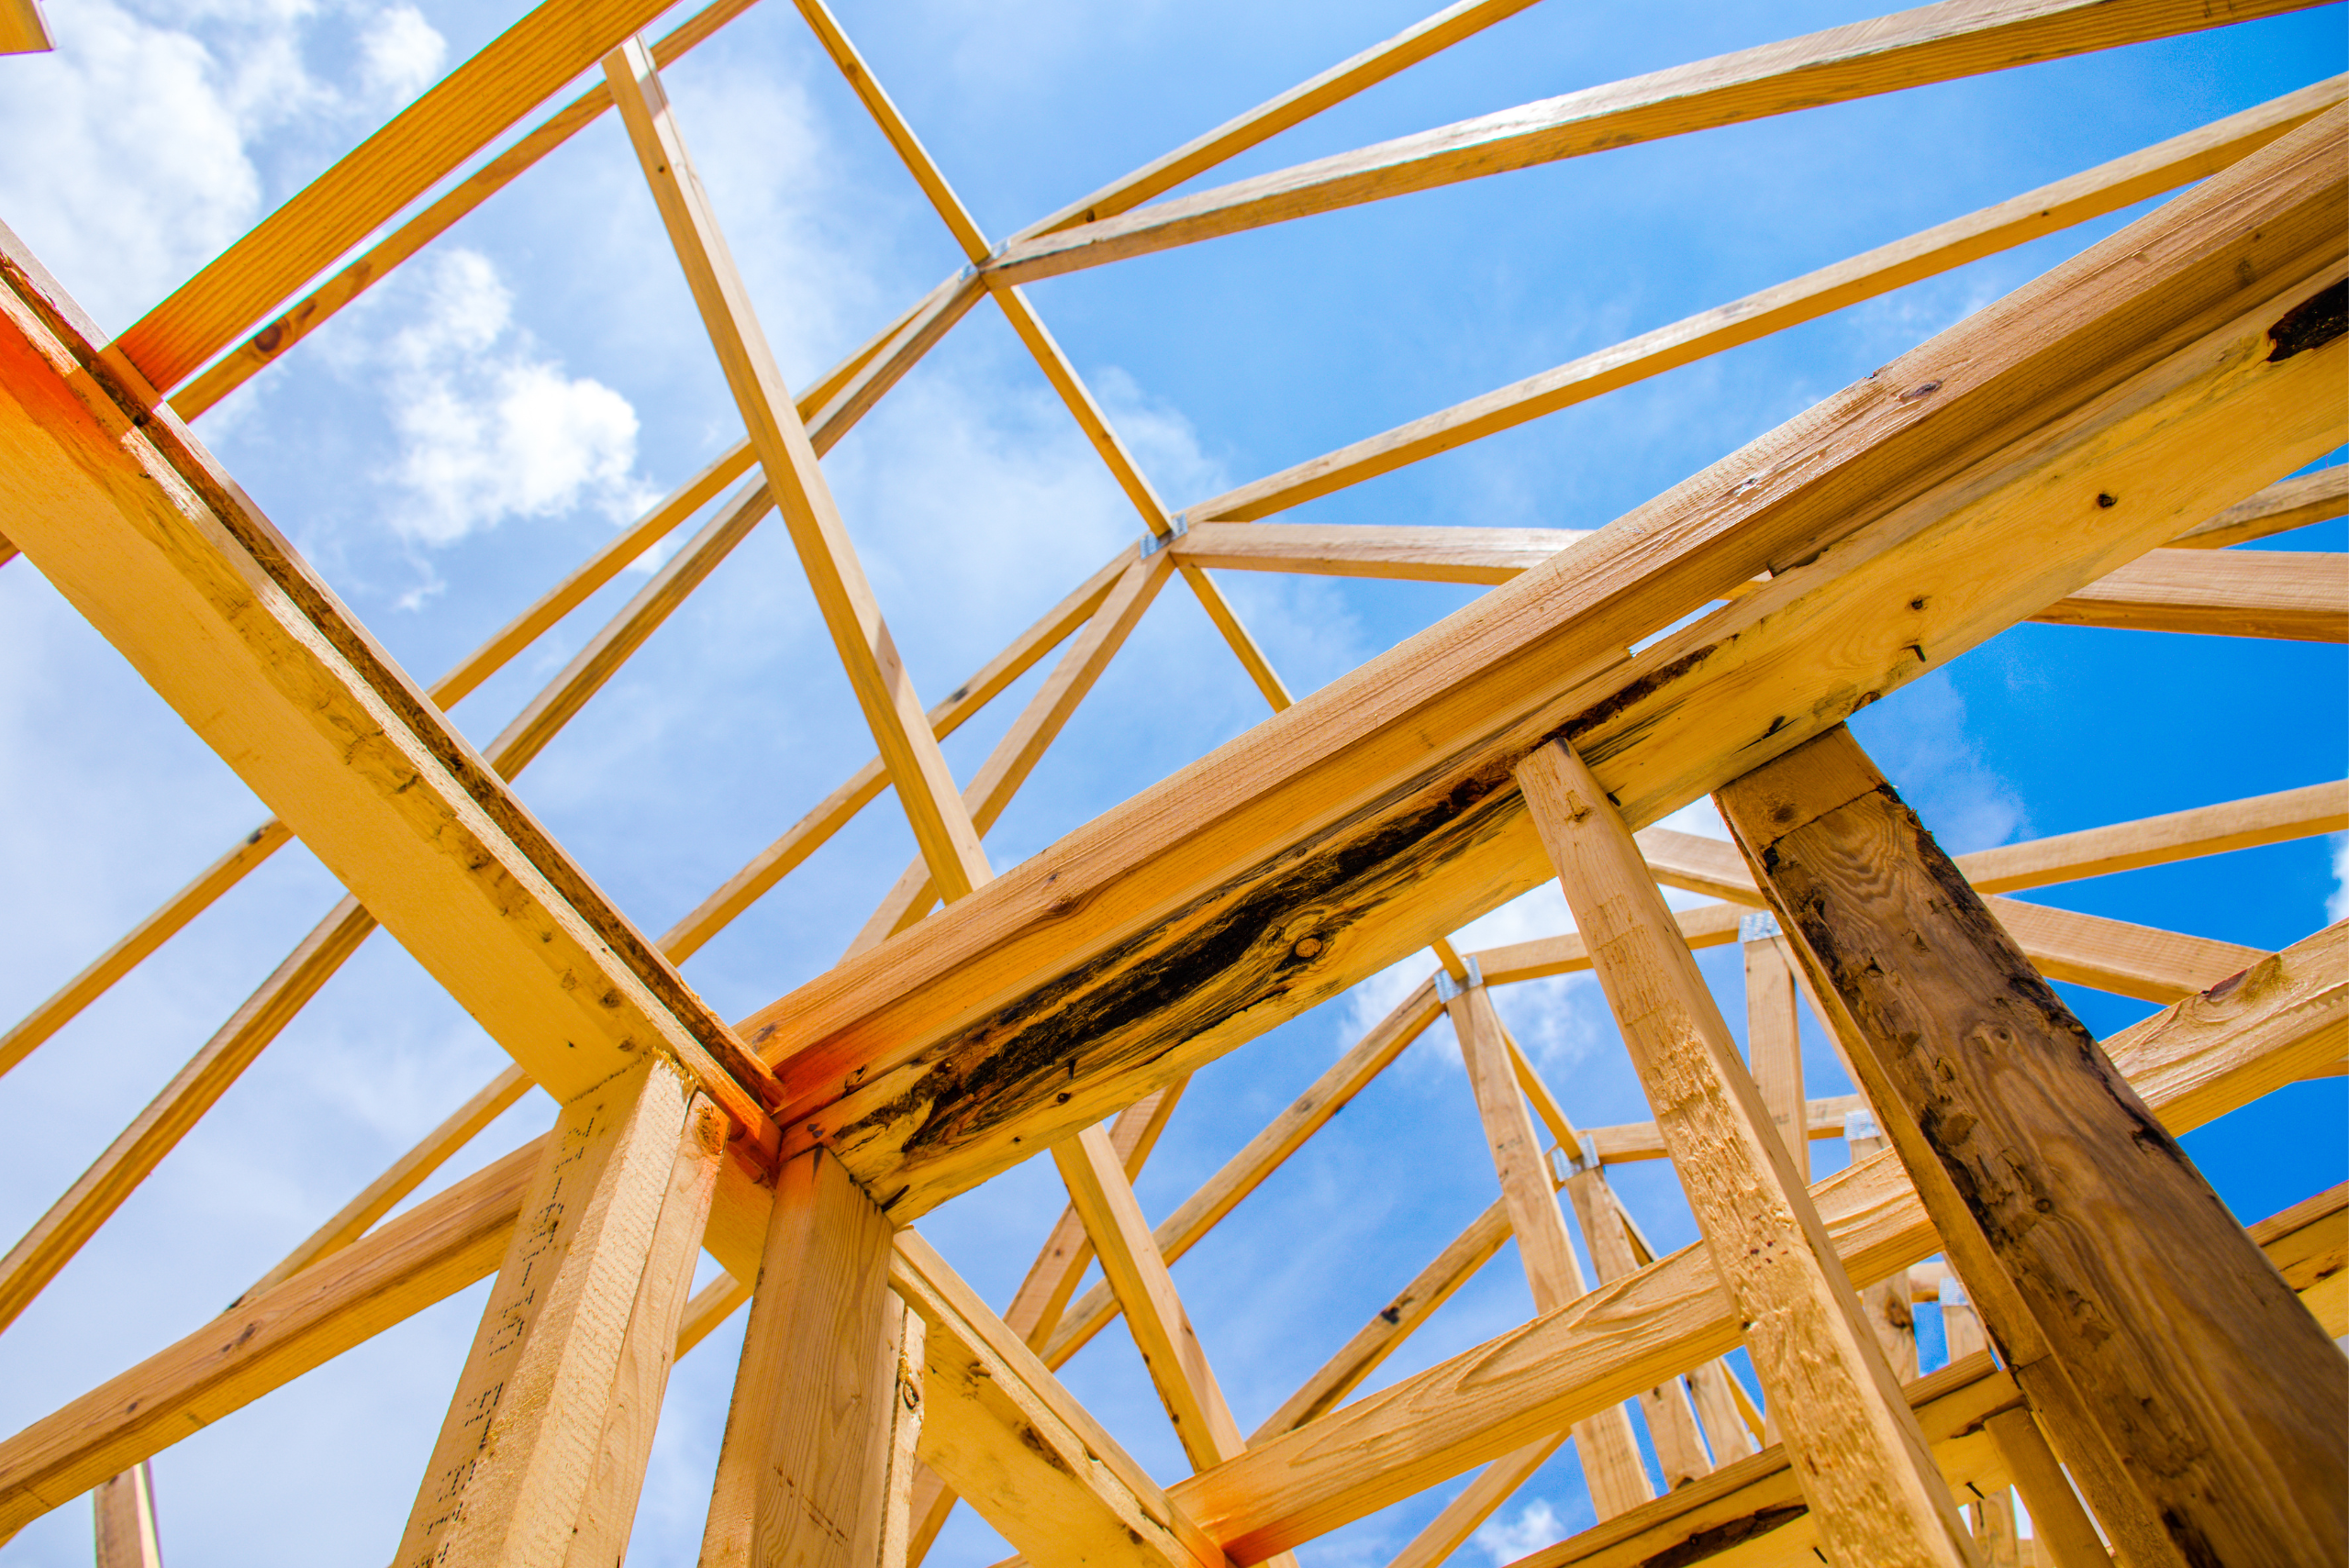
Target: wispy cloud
x,y
1918,737
1505,1539
2336,905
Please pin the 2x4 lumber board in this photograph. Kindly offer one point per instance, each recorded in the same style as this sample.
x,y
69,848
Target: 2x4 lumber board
x,y
1864,1461
1672,1425
884,689
1001,1430
1032,333
1885,1304
1265,1153
2101,1258
2286,505
1375,815
133,522
1022,746
814,830
313,310
1774,1042
1036,1307
2296,596
1405,553
803,1470
2067,1536
2158,841
2192,1063
2308,1244
76,1216
1755,1503
1135,1269
529,1456
126,1521
1907,48
475,669
1631,1141
23,28
1282,110
518,70
444,1244
2093,193
1604,1442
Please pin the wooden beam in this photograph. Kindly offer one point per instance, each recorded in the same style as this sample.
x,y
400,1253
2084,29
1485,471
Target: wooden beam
x,y
1394,779
1672,1425
133,522
2192,1063
1773,1036
1605,1443
125,1520
1631,1141
1435,553
1754,1511
2066,1538
1280,112
2286,505
1002,1431
1023,745
883,690
802,1473
1263,1155
76,1216
23,28
1909,49
2159,840
1864,1461
2308,1244
377,263
2105,188
2293,594
2126,1298
455,118
1887,1304
547,1436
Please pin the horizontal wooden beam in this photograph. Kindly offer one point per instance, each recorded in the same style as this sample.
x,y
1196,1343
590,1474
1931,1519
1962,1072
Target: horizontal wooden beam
x,y
2192,1063
2297,595
2308,1244
133,522
2108,187
1273,872
1909,49
1630,1141
1755,1503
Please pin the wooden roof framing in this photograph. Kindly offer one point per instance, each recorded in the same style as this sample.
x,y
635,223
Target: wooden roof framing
x,y
2081,453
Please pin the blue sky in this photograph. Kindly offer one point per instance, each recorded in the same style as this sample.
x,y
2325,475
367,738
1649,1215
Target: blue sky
x,y
449,446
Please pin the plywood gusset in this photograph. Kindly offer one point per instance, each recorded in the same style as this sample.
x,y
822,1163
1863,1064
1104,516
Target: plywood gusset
x,y
2083,452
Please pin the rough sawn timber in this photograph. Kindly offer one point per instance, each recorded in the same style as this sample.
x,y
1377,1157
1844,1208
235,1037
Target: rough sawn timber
x,y
1378,815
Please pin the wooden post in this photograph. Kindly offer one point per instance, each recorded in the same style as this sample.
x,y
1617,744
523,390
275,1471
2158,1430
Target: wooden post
x,y
1774,1035
2183,1383
2067,1536
1672,1425
546,1439
1609,1453
804,1472
1886,1303
1856,1445
125,1520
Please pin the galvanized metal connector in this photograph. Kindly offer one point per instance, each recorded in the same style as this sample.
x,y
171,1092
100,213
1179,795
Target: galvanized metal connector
x,y
1447,989
1176,526
1758,927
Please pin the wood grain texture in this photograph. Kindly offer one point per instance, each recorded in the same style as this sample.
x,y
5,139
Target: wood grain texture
x,y
1003,1432
2193,1062
456,117
1857,1449
884,688
2066,1538
1609,1451
140,529
126,1521
1774,1045
2294,594
2200,1403
1909,49
1671,1424
529,1439
2105,188
1754,1512
2287,504
803,1472
1168,932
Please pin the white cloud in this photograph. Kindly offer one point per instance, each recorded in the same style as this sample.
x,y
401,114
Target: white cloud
x,y
1918,738
400,54
2336,906
1535,1527
488,428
